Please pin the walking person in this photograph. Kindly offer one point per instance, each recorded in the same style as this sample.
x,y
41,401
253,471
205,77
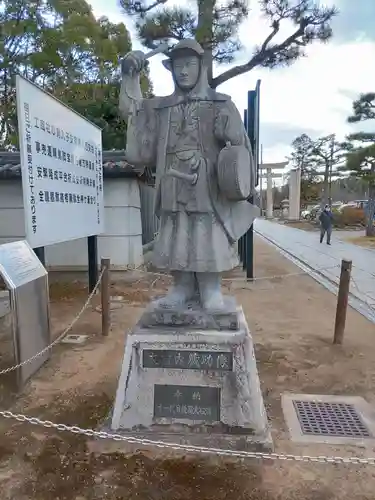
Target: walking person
x,y
326,221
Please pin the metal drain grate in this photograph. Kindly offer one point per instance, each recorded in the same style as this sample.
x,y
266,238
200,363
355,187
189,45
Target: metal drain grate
x,y
330,419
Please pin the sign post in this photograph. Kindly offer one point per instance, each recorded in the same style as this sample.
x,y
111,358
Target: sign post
x,y
41,254
62,173
251,119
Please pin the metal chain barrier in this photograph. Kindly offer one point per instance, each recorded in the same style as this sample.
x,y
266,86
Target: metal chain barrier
x,y
280,276
260,278
91,433
64,333
88,301
187,448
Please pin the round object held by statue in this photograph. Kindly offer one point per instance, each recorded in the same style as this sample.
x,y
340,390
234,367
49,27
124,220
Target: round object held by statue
x,y
234,172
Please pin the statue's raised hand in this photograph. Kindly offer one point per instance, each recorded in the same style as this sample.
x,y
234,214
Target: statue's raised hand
x,y
133,63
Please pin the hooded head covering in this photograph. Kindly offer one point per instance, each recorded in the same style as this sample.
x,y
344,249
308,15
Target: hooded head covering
x,y
182,48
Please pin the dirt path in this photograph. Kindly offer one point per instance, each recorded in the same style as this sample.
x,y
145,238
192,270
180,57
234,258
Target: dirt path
x,y
291,319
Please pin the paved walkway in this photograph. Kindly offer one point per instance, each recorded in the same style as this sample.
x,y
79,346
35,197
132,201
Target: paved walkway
x,y
305,247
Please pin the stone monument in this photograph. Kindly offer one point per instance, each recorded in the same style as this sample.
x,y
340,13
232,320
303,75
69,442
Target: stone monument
x,y
295,194
189,368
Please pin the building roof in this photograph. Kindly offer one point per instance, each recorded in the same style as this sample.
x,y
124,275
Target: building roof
x,y
114,166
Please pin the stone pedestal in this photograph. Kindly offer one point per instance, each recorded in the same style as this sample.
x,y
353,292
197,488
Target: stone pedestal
x,y
191,383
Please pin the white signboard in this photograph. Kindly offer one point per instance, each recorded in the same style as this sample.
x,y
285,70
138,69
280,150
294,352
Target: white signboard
x,y
62,177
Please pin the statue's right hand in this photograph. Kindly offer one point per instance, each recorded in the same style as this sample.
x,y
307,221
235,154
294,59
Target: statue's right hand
x,y
133,63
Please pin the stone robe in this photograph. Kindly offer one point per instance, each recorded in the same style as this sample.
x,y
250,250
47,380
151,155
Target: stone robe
x,y
198,225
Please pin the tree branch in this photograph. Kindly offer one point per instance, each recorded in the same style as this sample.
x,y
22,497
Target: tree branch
x,y
138,8
150,7
275,30
175,24
260,56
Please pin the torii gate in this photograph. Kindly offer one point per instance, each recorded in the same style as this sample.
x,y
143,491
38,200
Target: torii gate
x,y
267,172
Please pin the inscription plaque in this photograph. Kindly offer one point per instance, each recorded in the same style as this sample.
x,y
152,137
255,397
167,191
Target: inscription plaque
x,y
188,360
187,402
19,264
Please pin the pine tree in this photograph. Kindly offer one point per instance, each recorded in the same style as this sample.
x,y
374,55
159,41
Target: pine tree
x,y
318,157
360,163
363,108
215,26
328,154
61,46
300,157
361,159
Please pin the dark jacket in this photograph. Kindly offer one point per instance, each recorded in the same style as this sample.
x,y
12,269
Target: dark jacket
x,y
326,219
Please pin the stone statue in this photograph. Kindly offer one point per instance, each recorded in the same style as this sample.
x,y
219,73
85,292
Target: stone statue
x,y
197,141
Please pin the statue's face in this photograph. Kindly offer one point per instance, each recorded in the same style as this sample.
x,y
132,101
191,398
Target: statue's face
x,y
186,71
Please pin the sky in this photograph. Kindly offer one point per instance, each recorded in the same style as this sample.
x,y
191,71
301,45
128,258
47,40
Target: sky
x,y
313,96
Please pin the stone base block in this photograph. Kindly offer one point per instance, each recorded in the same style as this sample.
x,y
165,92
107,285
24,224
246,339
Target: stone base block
x,y
192,316
198,387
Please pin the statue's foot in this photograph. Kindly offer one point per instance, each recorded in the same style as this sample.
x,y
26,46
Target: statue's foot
x,y
182,291
210,291
175,298
214,302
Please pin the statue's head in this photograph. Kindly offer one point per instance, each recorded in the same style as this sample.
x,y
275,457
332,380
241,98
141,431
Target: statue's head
x,y
185,63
